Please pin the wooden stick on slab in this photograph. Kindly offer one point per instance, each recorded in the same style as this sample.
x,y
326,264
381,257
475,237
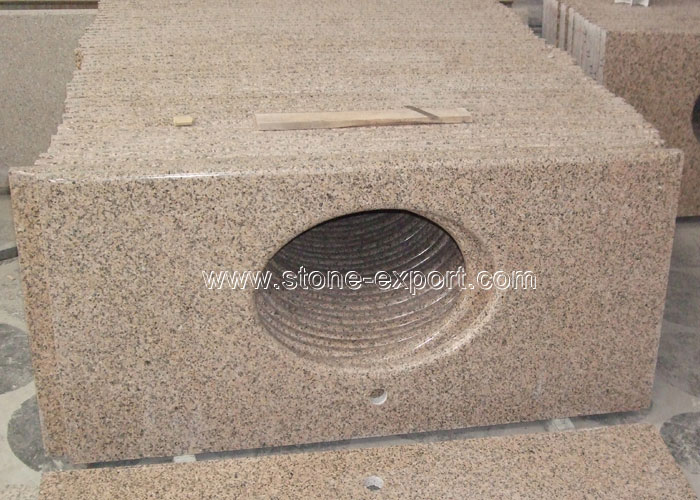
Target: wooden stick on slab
x,y
410,115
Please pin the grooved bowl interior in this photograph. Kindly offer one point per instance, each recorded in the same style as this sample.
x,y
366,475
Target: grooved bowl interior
x,y
360,324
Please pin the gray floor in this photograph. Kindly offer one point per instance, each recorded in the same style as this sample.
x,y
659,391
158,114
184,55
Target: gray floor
x,y
675,409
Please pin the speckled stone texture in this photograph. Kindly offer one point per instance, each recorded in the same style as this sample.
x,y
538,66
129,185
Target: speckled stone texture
x,y
135,357
625,462
650,57
36,61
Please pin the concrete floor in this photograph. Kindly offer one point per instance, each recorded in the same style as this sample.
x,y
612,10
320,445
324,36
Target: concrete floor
x,y
675,409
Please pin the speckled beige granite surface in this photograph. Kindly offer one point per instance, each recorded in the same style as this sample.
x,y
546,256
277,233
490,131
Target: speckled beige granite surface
x,y
135,357
36,62
624,462
648,56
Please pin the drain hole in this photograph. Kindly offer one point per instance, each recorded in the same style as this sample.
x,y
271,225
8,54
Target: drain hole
x,y
696,119
373,483
378,397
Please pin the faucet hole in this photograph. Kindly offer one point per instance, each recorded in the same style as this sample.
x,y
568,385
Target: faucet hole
x,y
378,397
373,483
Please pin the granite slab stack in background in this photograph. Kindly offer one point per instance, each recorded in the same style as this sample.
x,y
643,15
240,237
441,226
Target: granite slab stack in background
x,y
650,57
36,61
134,356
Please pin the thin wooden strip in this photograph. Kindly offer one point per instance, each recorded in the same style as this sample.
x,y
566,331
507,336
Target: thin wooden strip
x,y
47,4
343,119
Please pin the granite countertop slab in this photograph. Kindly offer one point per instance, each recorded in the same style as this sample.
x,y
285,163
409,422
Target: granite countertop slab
x,y
623,462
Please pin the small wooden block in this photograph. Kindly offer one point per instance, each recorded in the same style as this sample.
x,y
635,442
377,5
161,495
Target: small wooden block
x,y
343,119
183,121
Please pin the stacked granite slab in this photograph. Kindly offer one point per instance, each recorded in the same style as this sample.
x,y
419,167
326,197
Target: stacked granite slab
x,y
134,356
626,462
36,62
650,57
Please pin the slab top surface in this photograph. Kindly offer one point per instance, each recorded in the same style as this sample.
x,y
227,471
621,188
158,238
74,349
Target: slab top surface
x,y
616,462
144,62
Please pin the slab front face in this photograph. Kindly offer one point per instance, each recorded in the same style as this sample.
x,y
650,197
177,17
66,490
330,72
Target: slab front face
x,y
626,462
149,361
135,356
